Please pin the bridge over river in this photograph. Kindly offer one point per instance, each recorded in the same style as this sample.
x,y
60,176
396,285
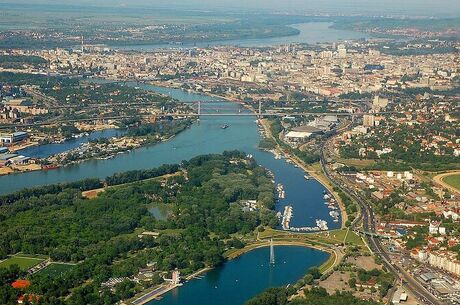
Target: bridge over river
x,y
197,112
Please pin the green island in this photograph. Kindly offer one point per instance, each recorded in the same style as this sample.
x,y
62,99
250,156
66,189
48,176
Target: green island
x,y
90,241
76,242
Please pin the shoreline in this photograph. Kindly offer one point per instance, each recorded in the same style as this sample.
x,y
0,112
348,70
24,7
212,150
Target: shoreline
x,y
229,257
4,171
267,133
310,171
260,244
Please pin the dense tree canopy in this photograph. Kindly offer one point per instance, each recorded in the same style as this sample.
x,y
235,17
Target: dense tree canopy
x,y
315,296
100,234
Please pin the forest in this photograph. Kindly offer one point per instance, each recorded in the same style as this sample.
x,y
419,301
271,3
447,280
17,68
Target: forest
x,y
20,61
100,235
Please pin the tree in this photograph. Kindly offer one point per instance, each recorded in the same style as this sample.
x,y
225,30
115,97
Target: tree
x,y
352,282
314,271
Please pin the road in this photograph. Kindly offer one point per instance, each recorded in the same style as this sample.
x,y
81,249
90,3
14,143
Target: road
x,y
369,225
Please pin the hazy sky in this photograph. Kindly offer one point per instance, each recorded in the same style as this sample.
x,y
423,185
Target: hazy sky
x,y
449,8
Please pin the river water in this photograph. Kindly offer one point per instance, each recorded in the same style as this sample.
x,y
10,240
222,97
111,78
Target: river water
x,y
310,33
46,150
207,136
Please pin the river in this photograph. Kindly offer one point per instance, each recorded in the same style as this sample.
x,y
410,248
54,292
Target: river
x,y
46,150
310,33
207,136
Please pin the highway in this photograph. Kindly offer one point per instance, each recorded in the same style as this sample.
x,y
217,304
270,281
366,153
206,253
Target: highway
x,y
369,225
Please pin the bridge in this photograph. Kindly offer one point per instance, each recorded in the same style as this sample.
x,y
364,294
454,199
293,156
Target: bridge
x,y
199,111
217,111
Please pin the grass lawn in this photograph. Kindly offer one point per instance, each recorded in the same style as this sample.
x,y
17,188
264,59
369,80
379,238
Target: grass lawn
x,y
354,239
56,269
24,263
330,237
453,180
358,163
328,264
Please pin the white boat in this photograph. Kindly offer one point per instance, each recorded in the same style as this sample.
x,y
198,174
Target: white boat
x,y
287,215
322,224
334,214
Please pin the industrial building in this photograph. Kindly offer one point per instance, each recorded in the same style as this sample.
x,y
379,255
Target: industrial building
x,y
301,133
11,138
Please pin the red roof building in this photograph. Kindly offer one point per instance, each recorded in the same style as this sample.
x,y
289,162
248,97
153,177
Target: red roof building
x,y
31,297
20,284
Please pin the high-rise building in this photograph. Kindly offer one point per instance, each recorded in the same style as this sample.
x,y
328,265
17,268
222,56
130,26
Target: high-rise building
x,y
379,103
368,120
341,51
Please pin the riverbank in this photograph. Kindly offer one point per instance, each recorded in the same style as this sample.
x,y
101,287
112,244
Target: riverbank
x,y
316,173
153,294
104,145
90,194
325,267
18,169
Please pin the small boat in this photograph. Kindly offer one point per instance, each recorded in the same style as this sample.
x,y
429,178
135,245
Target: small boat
x,y
306,177
225,126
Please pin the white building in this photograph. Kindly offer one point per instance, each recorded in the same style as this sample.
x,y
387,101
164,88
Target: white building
x,y
445,261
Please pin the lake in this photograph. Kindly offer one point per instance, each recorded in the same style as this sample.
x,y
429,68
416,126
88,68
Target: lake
x,y
244,277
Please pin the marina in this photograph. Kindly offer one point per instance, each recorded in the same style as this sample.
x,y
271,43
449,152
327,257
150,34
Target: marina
x,y
280,191
287,215
304,197
321,225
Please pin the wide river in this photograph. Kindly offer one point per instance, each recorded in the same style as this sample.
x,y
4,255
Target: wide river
x,y
239,279
310,33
